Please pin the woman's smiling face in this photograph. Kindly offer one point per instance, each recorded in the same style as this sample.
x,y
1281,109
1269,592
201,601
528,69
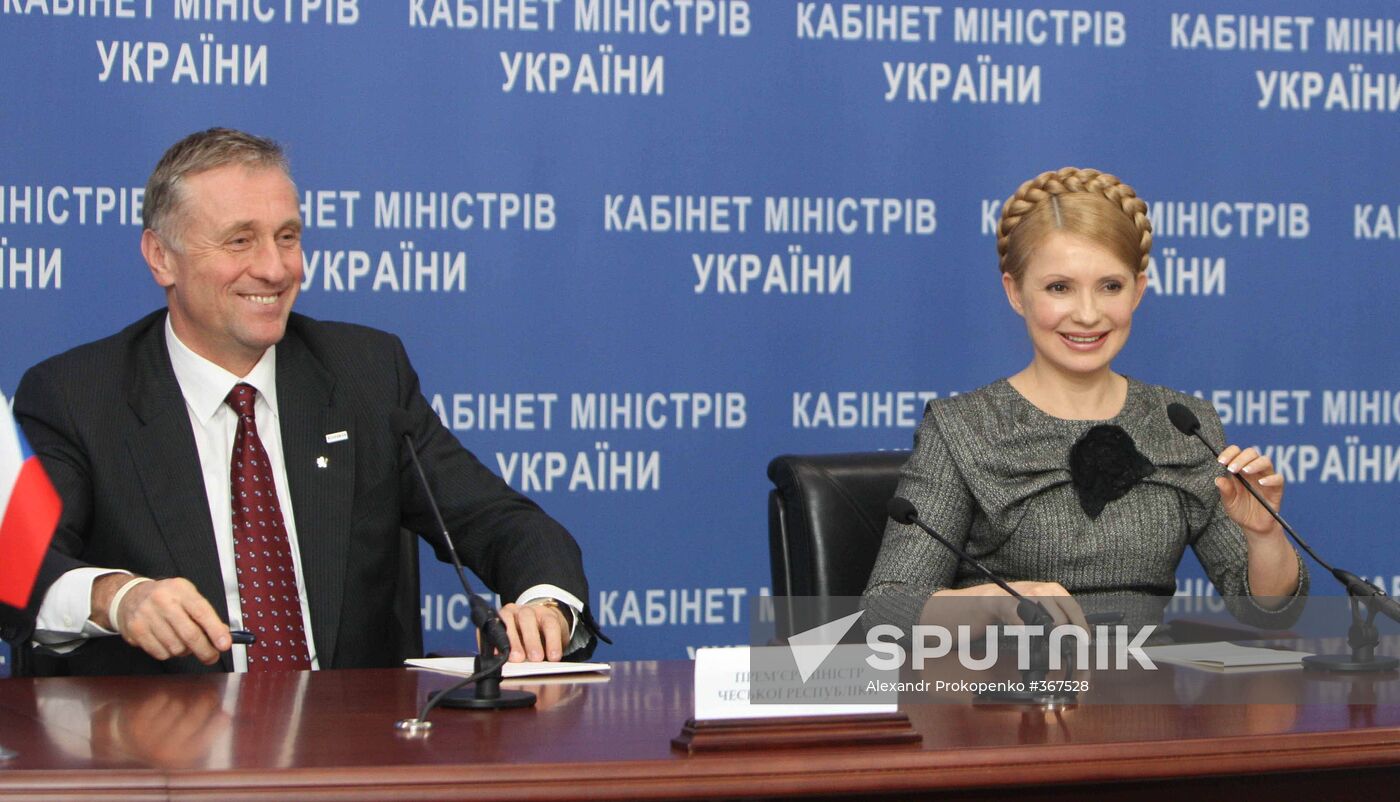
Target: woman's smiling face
x,y
1077,299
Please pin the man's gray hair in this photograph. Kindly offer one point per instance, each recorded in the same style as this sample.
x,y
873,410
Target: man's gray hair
x,y
205,150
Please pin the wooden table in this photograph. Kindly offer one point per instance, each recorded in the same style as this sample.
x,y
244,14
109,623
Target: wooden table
x,y
330,735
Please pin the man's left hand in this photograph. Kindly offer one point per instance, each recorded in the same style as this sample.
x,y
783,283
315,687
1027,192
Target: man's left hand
x,y
537,631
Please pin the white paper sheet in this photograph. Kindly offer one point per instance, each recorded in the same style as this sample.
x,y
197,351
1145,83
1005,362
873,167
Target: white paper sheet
x,y
465,666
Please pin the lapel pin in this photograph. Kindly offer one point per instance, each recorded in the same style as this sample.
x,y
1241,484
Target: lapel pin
x,y
336,437
322,462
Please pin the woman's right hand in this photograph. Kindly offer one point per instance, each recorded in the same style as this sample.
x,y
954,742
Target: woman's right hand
x,y
1000,607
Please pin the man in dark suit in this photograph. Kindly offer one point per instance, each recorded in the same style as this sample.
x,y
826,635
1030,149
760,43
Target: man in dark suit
x,y
152,435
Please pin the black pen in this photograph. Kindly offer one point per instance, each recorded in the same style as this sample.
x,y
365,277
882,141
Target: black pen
x,y
243,637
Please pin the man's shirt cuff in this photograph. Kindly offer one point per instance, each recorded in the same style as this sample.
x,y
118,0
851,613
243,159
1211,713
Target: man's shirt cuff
x,y
62,624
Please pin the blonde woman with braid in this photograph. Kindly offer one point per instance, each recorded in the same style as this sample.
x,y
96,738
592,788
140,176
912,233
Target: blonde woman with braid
x,y
1067,479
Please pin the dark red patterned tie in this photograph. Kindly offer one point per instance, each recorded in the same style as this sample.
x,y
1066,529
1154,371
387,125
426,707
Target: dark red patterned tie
x,y
267,581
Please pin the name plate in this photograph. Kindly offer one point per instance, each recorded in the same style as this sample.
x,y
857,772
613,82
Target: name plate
x,y
749,682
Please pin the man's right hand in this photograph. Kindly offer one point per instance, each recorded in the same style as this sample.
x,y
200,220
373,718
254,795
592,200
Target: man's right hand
x,y
165,618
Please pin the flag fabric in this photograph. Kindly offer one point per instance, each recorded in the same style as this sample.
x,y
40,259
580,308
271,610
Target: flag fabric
x,y
29,509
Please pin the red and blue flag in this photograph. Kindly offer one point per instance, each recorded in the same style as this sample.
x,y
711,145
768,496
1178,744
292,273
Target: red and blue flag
x,y
29,510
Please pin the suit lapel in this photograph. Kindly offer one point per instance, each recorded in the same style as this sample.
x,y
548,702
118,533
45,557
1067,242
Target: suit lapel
x,y
167,463
322,483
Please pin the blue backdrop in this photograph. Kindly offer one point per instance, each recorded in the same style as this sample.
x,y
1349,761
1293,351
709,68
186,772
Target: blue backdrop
x,y
637,248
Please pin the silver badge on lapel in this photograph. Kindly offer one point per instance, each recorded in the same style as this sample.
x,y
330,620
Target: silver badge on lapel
x,y
323,462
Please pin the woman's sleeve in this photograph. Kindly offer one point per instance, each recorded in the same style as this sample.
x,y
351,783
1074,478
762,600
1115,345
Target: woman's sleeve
x,y
911,565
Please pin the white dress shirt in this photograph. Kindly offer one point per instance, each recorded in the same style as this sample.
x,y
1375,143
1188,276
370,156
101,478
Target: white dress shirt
x,y
62,623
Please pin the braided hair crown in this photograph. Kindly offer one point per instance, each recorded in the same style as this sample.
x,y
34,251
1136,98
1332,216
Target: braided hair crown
x,y
1082,201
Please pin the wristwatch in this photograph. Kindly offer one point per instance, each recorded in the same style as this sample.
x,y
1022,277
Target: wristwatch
x,y
564,609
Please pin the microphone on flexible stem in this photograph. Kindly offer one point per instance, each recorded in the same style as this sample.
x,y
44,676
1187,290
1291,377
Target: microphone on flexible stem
x,y
495,642
1035,690
1363,643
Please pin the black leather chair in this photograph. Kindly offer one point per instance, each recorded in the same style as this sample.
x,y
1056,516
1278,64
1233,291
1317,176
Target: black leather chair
x,y
826,518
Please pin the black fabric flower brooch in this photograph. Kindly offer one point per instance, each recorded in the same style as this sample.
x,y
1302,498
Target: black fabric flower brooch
x,y
1104,465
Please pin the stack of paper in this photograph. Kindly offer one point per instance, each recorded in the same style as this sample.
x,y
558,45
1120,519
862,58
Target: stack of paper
x,y
1222,656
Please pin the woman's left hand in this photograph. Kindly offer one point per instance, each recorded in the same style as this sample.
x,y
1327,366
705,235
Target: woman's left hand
x,y
1258,470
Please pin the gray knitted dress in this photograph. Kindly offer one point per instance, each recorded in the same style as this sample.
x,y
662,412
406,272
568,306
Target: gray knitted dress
x,y
990,471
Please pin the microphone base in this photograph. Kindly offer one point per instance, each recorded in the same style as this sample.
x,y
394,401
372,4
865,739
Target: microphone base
x,y
1346,663
1362,637
1048,700
503,700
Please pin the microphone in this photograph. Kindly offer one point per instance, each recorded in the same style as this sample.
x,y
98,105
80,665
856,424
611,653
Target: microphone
x,y
495,642
1032,613
1188,424
1034,689
483,615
